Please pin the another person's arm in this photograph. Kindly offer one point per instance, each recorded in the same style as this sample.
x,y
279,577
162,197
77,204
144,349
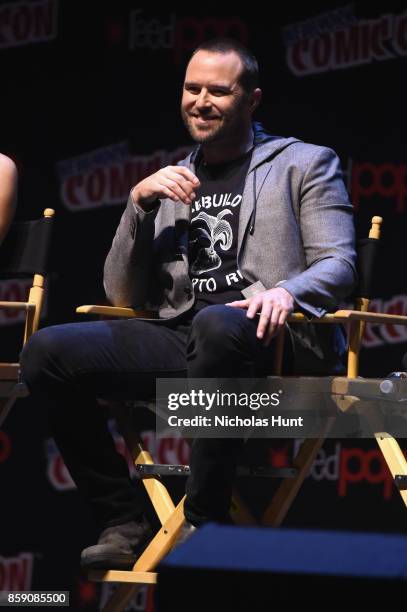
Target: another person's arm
x,y
8,193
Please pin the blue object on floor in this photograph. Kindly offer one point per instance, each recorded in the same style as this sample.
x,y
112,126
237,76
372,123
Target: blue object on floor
x,y
294,551
227,567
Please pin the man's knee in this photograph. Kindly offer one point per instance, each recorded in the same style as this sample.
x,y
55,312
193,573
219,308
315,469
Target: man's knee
x,y
39,354
217,327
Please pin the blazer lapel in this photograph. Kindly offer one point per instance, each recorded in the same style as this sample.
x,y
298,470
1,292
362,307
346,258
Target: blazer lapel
x,y
261,163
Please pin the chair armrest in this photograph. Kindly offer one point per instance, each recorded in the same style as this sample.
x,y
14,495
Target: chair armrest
x,y
346,316
28,306
116,311
340,316
299,317
371,317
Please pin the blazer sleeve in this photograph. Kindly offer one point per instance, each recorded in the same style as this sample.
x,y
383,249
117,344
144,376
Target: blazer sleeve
x,y
128,269
328,236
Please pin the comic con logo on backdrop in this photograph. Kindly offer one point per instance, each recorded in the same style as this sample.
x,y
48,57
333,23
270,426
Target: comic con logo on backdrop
x,y
169,450
16,572
105,176
338,39
180,35
380,335
22,23
142,601
16,290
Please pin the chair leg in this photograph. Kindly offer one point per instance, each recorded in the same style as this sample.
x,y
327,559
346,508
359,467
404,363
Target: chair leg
x,y
394,457
286,493
161,544
6,405
156,490
170,516
19,390
390,449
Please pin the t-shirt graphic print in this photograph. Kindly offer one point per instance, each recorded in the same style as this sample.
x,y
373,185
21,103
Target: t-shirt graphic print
x,y
213,232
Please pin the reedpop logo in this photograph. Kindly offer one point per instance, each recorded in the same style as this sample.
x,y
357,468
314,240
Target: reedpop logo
x,y
181,34
348,467
386,180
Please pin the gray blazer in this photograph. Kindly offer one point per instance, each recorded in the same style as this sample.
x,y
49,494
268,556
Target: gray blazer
x,y
295,230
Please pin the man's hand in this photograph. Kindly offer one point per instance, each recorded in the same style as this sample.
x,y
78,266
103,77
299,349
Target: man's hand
x,y
175,182
274,306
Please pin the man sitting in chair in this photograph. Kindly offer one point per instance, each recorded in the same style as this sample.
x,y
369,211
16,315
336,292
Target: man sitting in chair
x,y
245,207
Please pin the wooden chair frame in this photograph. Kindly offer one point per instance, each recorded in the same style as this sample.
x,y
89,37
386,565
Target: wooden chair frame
x,y
172,517
10,387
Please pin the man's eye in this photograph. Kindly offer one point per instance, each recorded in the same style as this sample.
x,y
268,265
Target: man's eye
x,y
193,90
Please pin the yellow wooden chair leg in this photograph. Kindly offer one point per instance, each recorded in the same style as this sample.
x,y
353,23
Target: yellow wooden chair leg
x,y
288,489
389,447
161,544
156,490
394,458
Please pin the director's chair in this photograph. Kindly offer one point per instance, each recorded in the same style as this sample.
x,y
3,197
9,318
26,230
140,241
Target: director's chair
x,y
171,516
24,254
355,321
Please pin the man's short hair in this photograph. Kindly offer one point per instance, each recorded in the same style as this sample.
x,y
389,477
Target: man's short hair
x,y
249,78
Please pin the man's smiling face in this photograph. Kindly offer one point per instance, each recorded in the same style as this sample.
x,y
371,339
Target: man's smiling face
x,y
214,104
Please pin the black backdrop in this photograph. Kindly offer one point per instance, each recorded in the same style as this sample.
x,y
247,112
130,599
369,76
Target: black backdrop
x,y
89,100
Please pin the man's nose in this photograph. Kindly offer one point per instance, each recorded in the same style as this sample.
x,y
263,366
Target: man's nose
x,y
203,100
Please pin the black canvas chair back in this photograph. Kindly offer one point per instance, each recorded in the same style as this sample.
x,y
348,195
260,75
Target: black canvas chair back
x,y
367,252
25,250
24,254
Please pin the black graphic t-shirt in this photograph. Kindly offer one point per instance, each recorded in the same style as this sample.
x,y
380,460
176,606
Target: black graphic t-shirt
x,y
213,232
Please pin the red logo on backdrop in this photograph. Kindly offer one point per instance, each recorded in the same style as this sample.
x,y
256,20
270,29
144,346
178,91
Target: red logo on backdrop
x,y
16,572
87,592
5,446
166,450
57,472
351,466
330,45
142,601
181,34
378,335
22,23
13,291
386,180
278,457
105,176
357,465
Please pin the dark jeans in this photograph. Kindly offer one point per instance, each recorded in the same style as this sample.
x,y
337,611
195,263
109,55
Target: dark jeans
x,y
68,366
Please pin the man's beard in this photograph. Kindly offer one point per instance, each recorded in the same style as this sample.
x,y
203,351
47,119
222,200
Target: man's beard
x,y
225,130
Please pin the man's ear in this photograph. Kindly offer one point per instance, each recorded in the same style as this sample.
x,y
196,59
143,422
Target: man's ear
x,y
255,99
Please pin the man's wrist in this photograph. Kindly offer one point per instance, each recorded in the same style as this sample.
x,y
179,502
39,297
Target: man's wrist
x,y
143,206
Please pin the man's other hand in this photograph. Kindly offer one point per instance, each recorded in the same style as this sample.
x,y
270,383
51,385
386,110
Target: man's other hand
x,y
274,306
174,182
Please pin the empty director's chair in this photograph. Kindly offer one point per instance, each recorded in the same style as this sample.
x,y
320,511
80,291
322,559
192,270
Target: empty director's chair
x,y
172,517
24,254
